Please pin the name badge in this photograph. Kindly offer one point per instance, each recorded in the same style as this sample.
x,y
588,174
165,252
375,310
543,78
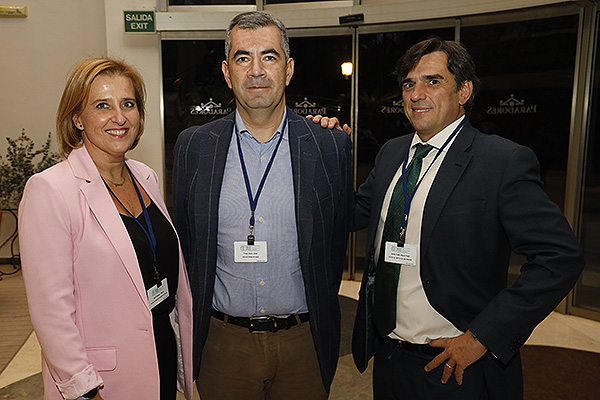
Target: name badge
x,y
406,255
156,294
244,253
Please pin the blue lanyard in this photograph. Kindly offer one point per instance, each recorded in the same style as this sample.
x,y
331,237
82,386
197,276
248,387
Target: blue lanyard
x,y
254,200
408,198
148,232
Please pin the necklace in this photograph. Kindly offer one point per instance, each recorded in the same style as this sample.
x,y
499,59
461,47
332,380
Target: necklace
x,y
114,183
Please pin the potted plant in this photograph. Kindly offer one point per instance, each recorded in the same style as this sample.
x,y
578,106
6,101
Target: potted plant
x,y
22,161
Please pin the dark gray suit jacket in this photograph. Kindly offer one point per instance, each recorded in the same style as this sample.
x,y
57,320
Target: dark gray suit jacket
x,y
322,173
486,200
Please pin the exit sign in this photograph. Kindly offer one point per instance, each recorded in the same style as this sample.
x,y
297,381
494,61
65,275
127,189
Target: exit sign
x,y
139,21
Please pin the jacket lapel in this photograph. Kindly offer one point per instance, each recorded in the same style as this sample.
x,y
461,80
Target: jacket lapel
x,y
103,208
387,169
304,153
210,174
450,172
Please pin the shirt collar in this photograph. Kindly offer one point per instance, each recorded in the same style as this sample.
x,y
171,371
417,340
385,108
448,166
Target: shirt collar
x,y
244,132
440,138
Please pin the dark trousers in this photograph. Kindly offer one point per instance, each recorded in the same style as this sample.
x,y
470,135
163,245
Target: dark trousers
x,y
399,374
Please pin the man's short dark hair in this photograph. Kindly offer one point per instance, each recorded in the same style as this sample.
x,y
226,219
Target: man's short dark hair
x,y
254,20
460,63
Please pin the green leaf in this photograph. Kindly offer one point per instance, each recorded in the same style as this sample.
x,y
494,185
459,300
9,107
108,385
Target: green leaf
x,y
22,161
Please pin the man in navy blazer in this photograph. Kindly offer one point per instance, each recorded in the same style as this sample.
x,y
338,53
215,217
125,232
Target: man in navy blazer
x,y
263,201
478,198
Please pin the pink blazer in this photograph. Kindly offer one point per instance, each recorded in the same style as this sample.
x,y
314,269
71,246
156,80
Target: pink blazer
x,y
86,295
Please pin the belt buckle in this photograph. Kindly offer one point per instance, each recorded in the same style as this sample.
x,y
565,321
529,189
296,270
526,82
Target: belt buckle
x,y
251,326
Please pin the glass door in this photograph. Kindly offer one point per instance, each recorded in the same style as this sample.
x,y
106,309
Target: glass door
x,y
527,72
527,64
586,296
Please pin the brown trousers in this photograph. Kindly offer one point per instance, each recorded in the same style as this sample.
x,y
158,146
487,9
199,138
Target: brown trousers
x,y
237,364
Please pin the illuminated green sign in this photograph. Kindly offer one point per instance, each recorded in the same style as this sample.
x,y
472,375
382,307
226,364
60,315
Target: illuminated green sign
x,y
139,21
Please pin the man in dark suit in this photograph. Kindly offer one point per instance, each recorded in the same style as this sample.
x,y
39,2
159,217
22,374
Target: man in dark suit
x,y
263,199
434,301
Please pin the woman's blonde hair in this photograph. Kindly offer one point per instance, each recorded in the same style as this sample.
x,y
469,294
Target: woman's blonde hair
x,y
77,90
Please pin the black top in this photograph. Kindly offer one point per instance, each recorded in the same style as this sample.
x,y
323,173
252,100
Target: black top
x,y
167,253
167,256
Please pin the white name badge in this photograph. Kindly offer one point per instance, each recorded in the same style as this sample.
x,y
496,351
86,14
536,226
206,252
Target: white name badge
x,y
406,255
243,253
156,294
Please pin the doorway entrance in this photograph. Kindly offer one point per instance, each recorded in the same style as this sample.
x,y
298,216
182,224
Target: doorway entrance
x,y
528,63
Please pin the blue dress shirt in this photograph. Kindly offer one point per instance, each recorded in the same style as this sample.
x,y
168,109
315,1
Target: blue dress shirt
x,y
275,287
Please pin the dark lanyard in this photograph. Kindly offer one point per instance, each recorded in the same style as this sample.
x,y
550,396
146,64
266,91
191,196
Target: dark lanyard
x,y
254,200
148,232
408,198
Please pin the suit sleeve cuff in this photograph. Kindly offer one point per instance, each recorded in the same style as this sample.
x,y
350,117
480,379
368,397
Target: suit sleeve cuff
x,y
80,383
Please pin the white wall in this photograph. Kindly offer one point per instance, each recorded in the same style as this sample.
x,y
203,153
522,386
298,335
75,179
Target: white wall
x,y
142,51
36,54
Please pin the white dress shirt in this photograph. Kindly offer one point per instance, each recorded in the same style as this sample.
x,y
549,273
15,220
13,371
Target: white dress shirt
x,y
416,320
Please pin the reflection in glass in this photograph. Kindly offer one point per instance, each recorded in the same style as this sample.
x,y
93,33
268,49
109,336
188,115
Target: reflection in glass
x,y
317,86
527,87
194,91
526,69
587,290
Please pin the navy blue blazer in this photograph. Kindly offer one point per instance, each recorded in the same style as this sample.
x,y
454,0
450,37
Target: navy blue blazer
x,y
486,201
322,174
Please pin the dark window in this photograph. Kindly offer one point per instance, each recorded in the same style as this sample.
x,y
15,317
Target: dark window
x,y
587,290
194,91
527,69
318,86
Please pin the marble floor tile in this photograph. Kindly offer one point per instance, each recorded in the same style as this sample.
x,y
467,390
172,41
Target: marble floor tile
x,y
567,331
556,330
27,362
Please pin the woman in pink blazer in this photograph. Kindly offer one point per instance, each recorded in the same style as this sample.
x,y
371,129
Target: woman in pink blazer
x,y
107,288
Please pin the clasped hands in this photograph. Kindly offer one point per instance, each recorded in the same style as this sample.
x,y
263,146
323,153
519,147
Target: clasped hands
x,y
459,352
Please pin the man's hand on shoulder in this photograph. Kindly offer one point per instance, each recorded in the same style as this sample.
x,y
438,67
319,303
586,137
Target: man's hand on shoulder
x,y
330,123
459,352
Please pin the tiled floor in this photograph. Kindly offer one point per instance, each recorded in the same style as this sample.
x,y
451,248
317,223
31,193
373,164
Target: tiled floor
x,y
557,330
